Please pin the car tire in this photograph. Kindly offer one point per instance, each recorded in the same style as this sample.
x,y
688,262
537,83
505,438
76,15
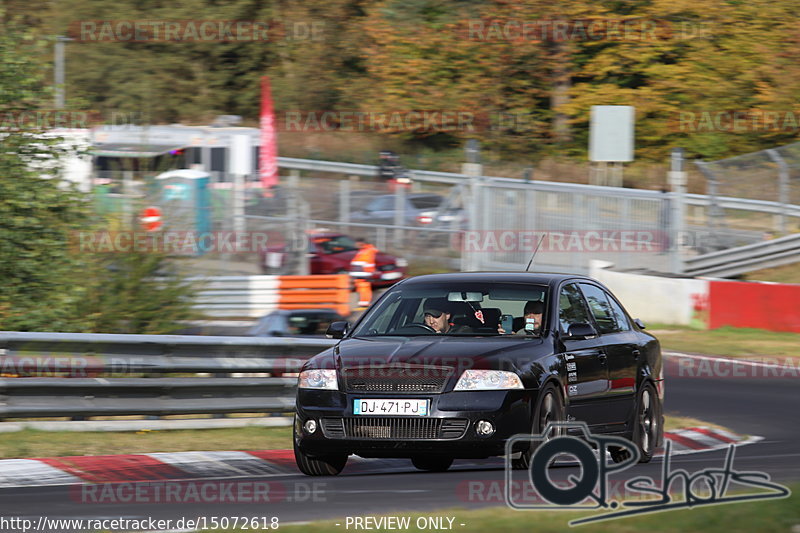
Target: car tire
x,y
646,426
549,408
326,465
431,463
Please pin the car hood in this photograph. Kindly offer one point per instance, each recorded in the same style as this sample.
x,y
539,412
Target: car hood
x,y
515,354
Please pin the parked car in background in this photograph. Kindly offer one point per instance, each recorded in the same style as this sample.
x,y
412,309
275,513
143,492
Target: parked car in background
x,y
331,253
295,323
421,209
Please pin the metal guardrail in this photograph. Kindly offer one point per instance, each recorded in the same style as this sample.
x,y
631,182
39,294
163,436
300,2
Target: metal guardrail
x,y
453,178
734,261
82,372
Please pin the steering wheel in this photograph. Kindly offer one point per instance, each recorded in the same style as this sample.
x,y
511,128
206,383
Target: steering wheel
x,y
415,325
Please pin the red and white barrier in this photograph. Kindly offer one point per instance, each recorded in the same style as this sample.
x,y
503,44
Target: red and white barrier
x,y
704,303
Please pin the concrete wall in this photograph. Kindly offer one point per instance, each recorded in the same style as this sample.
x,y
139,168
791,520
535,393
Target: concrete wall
x,y
677,301
703,303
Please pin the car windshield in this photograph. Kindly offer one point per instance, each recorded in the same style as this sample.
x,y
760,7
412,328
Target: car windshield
x,y
462,309
426,202
335,245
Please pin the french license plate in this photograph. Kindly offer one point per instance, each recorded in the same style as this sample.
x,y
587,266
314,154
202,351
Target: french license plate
x,y
390,407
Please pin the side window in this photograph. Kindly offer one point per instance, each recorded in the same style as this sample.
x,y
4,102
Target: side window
x,y
622,320
384,323
384,203
269,324
571,308
600,307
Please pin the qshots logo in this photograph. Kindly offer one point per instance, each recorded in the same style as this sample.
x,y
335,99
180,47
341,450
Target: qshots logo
x,y
591,490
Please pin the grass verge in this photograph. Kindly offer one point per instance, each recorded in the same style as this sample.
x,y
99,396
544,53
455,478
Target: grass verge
x,y
728,341
36,443
33,443
769,515
782,274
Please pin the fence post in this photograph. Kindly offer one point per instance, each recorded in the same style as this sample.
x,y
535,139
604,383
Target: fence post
x,y
472,171
677,181
344,201
298,210
783,188
399,215
127,202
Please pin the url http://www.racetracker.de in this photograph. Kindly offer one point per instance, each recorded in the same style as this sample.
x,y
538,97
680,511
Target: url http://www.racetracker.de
x,y
45,524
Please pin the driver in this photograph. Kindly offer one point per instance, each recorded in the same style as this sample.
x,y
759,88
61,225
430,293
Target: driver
x,y
437,317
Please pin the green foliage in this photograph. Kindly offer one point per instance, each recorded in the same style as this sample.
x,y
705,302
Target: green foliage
x,y
133,292
46,282
36,216
390,55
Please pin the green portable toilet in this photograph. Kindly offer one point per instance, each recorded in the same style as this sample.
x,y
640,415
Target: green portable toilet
x,y
184,197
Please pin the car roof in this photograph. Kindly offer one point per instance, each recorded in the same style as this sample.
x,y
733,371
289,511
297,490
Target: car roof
x,y
327,235
542,278
300,312
413,195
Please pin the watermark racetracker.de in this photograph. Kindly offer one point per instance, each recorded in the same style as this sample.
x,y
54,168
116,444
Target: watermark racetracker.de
x,y
591,489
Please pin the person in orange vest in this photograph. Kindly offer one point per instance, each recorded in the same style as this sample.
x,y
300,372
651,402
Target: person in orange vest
x,y
362,266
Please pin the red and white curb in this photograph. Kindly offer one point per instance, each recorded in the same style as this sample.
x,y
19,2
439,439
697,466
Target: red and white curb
x,y
187,466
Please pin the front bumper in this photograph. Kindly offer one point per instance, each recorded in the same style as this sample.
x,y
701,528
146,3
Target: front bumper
x,y
449,429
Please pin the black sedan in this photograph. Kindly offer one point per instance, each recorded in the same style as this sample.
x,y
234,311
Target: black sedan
x,y
450,366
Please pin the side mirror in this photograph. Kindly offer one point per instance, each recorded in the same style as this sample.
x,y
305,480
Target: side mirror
x,y
581,331
275,333
639,323
337,330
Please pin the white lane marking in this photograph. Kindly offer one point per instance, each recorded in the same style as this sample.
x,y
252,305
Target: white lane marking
x,y
746,362
212,464
30,473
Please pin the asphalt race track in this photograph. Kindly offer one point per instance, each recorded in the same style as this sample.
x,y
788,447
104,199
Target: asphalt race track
x,y
760,405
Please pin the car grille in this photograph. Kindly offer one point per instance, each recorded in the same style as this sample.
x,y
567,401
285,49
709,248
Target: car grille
x,y
402,380
387,428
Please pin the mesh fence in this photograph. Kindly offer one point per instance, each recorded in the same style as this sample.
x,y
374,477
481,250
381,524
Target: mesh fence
x,y
769,175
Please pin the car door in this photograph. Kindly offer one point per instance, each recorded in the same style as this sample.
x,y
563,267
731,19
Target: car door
x,y
587,372
620,343
380,211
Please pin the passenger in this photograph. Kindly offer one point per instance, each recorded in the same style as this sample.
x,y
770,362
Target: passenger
x,y
531,321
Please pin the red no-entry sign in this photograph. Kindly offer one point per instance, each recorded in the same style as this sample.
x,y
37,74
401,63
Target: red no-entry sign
x,y
151,219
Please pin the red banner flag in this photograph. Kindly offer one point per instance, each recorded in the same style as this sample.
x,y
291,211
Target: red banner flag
x,y
268,151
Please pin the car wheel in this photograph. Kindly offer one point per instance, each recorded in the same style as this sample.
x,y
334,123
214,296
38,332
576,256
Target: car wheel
x,y
645,426
550,408
432,463
647,423
326,465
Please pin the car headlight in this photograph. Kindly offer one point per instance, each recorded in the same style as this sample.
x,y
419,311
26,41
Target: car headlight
x,y
401,262
488,380
318,379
